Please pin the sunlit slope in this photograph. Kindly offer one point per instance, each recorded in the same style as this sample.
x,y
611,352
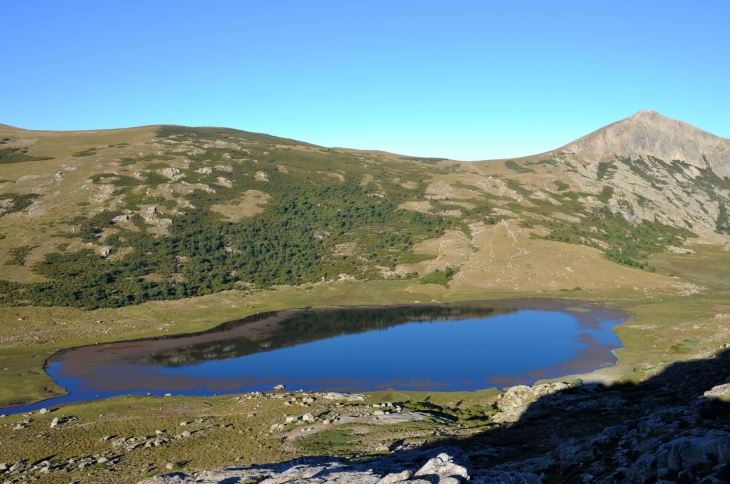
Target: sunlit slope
x,y
119,217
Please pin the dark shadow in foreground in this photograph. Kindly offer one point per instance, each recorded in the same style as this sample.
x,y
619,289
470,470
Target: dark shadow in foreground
x,y
669,428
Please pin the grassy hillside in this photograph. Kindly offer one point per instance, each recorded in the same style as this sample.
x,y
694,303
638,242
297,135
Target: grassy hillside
x,y
114,218
108,235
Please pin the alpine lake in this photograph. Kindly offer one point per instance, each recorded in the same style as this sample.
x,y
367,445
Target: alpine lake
x,y
427,347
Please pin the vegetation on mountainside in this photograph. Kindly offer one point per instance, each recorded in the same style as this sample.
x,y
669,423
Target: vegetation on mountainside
x,y
440,277
15,202
619,240
513,165
18,155
293,241
18,255
195,211
723,222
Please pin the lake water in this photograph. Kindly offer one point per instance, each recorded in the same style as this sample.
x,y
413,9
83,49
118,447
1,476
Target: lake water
x,y
465,346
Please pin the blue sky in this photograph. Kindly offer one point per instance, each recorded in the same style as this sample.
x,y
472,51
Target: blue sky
x,y
465,80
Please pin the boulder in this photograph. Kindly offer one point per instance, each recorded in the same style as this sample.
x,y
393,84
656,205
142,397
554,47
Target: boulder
x,y
442,466
718,391
687,453
514,402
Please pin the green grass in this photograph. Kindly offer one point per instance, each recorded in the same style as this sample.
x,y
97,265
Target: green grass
x,y
85,153
18,155
605,194
605,169
335,441
440,277
513,165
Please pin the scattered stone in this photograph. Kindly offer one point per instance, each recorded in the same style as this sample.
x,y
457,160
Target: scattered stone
x,y
279,388
17,466
308,417
54,422
43,411
445,465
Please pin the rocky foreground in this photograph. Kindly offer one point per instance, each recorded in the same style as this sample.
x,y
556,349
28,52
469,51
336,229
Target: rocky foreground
x,y
448,465
671,428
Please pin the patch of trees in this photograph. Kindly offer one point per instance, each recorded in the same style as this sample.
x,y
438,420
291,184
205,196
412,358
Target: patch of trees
x,y
621,241
292,242
440,277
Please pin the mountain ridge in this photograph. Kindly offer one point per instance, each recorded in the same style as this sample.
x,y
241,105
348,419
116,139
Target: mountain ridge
x,y
648,133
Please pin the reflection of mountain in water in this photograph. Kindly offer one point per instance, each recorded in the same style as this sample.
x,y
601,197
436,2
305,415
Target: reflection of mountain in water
x,y
313,325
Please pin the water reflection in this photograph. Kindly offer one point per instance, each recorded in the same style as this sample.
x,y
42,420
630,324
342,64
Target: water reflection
x,y
312,325
449,347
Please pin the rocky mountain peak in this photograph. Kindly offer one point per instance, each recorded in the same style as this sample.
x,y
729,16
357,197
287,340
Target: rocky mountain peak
x,y
648,133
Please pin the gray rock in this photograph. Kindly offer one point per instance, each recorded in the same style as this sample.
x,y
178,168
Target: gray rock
x,y
717,391
643,470
684,453
446,465
514,401
502,477
442,466
396,477
308,417
18,465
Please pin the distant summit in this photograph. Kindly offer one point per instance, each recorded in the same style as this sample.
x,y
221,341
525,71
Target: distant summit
x,y
648,133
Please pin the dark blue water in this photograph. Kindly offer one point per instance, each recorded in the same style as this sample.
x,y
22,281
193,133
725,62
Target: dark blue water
x,y
454,353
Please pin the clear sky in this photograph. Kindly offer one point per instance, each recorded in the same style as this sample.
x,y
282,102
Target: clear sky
x,y
460,79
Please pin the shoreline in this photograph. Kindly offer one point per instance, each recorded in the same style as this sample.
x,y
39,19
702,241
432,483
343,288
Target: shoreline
x,y
589,313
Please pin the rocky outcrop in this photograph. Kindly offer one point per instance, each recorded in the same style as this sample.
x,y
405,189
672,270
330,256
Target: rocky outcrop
x,y
448,465
513,403
669,445
648,133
